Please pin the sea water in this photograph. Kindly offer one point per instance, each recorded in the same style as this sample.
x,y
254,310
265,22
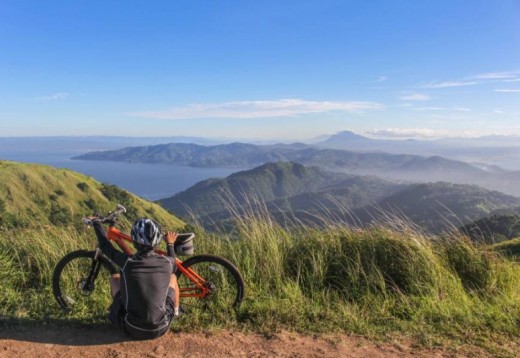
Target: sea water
x,y
150,181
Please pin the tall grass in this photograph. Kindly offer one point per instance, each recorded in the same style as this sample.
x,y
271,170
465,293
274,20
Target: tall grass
x,y
375,282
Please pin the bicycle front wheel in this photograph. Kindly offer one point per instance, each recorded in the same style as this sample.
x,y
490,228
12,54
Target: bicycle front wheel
x,y
80,282
210,283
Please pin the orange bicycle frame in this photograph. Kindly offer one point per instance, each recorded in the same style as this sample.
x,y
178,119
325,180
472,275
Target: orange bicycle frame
x,y
199,290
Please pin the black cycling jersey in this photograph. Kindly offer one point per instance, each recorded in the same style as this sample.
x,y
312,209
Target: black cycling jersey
x,y
145,280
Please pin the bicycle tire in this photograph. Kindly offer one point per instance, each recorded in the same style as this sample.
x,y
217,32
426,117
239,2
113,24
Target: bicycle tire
x,y
61,286
226,278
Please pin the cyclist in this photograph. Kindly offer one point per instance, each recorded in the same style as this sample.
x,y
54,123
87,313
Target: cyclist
x,y
145,293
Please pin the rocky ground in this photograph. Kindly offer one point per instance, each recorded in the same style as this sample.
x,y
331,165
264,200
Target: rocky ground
x,y
103,342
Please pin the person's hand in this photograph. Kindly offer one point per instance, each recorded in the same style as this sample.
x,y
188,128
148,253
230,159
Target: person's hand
x,y
171,237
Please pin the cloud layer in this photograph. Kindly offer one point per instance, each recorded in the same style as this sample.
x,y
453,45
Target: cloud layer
x,y
406,133
53,97
508,90
257,109
490,77
415,97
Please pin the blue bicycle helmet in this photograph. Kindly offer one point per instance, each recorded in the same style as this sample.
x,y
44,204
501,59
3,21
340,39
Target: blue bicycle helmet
x,y
146,233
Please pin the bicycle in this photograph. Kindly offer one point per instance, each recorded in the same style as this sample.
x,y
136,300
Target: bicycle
x,y
205,281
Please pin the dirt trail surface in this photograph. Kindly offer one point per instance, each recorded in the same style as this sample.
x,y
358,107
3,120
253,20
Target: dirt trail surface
x,y
103,342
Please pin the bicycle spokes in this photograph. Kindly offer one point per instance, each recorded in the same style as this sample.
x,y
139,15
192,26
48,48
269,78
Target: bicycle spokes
x,y
216,289
84,285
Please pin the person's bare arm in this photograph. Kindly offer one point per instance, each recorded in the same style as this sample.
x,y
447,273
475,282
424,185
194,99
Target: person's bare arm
x,y
170,239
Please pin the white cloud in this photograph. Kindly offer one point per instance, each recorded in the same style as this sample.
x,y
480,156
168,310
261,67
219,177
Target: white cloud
x,y
508,90
257,109
483,78
498,75
382,79
457,109
449,84
53,97
415,97
407,133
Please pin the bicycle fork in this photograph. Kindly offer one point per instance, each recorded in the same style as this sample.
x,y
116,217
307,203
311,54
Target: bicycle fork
x,y
87,285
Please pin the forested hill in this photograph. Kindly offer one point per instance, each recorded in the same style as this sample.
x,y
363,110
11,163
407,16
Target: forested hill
x,y
439,206
34,195
250,155
494,228
311,194
282,185
226,155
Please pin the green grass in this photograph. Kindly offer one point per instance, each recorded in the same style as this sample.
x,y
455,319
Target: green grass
x,y
510,247
380,283
40,195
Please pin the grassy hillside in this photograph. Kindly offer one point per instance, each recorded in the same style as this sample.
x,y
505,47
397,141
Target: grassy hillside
x,y
377,283
36,195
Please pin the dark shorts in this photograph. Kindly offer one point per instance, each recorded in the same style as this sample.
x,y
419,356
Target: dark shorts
x,y
117,317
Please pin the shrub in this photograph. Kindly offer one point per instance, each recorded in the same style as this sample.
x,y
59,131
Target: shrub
x,y
381,262
83,187
472,266
91,204
59,215
120,196
8,220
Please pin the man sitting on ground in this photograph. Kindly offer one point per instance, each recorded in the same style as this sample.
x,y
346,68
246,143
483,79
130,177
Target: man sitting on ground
x,y
145,293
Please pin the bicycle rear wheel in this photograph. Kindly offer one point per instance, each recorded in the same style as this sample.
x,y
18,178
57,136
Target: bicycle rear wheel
x,y
221,279
80,282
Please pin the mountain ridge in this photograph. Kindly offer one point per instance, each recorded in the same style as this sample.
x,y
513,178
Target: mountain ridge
x,y
308,192
413,168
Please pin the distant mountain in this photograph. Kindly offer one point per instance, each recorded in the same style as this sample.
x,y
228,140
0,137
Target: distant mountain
x,y
439,206
228,155
36,195
348,140
492,150
351,141
412,168
280,187
346,136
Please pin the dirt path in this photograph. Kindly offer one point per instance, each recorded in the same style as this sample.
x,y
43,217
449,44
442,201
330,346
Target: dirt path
x,y
102,342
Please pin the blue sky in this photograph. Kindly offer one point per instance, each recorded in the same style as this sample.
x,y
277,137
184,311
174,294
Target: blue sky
x,y
260,69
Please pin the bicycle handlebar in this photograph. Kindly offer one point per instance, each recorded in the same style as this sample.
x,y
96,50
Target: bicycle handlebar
x,y
110,218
